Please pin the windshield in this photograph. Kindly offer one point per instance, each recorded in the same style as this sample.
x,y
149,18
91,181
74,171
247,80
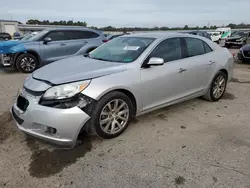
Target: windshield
x,y
122,49
27,37
239,33
38,36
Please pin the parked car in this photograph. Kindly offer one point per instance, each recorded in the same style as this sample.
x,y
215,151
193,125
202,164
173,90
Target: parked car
x,y
215,36
5,36
239,38
102,91
225,32
200,33
48,46
244,54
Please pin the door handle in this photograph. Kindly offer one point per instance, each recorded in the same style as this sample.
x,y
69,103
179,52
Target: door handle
x,y
62,44
211,62
182,70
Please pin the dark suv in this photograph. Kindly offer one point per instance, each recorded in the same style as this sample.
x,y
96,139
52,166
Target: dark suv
x,y
5,36
238,38
47,46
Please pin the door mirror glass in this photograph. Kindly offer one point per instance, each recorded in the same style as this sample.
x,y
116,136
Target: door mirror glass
x,y
47,39
154,61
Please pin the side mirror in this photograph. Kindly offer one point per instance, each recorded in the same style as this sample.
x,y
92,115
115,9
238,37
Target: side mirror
x,y
155,61
46,40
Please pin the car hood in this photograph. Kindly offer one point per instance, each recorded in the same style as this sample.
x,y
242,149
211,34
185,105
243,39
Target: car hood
x,y
234,38
76,69
12,46
246,47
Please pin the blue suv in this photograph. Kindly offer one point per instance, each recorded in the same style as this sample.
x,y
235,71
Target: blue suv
x,y
47,46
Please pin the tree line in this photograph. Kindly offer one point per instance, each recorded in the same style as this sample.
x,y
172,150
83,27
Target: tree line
x,y
61,22
128,29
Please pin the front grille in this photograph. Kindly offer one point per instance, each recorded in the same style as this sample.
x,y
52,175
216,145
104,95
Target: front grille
x,y
1,59
22,103
18,119
232,40
246,54
33,93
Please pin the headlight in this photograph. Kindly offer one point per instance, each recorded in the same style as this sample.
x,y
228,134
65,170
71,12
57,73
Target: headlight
x,y
239,40
66,90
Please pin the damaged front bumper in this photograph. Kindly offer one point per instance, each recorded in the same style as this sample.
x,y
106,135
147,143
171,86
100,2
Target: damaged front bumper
x,y
58,122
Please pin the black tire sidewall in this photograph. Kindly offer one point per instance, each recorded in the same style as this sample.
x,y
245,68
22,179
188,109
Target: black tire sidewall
x,y
97,111
18,61
211,87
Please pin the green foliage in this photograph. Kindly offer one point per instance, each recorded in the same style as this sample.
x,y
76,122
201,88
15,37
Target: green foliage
x,y
129,29
61,22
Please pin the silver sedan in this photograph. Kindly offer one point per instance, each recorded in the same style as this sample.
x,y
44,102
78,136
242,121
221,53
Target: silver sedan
x,y
102,91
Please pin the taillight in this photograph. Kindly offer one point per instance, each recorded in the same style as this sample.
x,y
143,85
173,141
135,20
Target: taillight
x,y
105,40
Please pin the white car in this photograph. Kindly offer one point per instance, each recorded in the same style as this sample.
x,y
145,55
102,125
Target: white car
x,y
215,36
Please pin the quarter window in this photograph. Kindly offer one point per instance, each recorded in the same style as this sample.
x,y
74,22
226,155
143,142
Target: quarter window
x,y
169,50
90,34
207,48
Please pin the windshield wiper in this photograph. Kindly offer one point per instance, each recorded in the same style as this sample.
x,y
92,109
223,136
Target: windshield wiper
x,y
101,59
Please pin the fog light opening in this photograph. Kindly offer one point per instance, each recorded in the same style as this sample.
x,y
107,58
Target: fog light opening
x,y
49,130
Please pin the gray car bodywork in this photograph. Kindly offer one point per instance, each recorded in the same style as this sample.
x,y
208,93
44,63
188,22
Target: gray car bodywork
x,y
50,51
149,88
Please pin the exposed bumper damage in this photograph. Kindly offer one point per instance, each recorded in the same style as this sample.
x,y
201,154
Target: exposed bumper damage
x,y
8,52
7,60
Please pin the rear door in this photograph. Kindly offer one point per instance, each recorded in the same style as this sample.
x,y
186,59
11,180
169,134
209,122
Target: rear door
x,y
56,49
200,65
79,39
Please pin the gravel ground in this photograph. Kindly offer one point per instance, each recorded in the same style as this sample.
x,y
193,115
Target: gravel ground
x,y
193,144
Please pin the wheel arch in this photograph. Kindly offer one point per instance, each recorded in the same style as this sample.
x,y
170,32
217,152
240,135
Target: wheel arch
x,y
224,71
32,52
126,92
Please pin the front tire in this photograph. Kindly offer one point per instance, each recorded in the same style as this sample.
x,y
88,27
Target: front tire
x,y
217,87
27,63
112,115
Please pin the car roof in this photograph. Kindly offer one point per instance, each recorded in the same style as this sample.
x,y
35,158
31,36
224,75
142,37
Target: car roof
x,y
73,29
159,35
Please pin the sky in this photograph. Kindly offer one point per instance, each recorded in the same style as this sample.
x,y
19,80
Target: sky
x,y
130,13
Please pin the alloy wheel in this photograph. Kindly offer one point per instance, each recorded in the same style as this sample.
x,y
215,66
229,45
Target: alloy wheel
x,y
219,87
114,116
28,64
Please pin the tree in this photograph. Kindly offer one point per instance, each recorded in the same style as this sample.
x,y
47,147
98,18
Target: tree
x,y
61,22
186,27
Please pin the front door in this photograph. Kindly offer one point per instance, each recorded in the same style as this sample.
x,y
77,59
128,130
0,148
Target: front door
x,y
162,84
56,48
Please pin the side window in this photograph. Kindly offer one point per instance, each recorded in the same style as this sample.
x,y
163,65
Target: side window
x,y
195,47
89,34
57,35
207,48
74,35
169,50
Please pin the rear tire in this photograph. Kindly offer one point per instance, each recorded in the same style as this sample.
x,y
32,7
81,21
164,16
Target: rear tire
x,y
217,88
112,115
27,63
219,41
